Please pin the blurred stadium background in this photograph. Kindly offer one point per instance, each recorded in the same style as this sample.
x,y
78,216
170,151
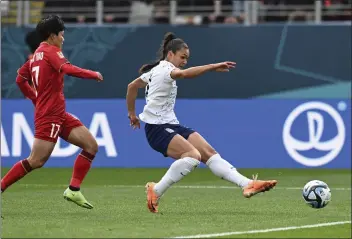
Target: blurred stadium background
x,y
293,59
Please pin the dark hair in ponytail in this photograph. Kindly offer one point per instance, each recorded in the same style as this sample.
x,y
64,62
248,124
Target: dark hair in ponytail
x,y
169,43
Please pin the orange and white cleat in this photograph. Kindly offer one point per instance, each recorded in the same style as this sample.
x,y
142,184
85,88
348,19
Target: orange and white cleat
x,y
258,186
152,198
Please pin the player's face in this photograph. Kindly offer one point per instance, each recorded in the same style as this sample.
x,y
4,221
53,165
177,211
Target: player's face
x,y
180,58
58,39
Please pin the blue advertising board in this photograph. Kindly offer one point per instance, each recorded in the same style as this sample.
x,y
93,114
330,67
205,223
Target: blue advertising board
x,y
257,133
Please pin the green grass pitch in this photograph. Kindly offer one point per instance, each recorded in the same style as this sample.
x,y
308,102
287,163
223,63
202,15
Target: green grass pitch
x,y
34,207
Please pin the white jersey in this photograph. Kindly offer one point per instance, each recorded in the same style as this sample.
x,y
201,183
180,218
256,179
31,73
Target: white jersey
x,y
160,95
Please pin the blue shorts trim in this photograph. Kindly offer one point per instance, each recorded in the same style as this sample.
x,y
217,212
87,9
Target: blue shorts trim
x,y
160,135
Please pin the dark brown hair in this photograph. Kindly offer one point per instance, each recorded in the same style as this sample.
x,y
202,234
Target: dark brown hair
x,y
169,43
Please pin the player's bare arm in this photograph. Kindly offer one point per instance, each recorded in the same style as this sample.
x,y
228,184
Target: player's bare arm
x,y
199,70
132,91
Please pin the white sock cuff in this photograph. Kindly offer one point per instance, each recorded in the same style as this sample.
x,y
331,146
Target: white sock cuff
x,y
191,161
214,157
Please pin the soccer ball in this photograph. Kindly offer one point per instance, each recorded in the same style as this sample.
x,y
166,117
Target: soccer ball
x,y
316,194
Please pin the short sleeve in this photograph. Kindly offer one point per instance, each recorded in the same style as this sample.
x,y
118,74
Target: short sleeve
x,y
146,76
168,68
24,72
57,60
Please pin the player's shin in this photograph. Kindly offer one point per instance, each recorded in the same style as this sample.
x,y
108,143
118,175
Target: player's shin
x,y
18,171
80,169
176,172
225,170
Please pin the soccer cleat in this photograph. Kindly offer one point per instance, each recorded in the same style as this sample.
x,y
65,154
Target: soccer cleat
x,y
258,186
77,197
152,198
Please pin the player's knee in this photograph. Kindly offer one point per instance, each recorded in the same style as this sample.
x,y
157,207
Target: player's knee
x,y
194,153
37,162
92,147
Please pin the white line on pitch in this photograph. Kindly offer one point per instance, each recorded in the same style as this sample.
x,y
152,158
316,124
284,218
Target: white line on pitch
x,y
266,230
176,186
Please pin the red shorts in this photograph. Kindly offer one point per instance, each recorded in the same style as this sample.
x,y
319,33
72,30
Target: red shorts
x,y
50,129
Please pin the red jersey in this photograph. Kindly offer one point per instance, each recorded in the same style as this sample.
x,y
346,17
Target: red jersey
x,y
48,81
46,70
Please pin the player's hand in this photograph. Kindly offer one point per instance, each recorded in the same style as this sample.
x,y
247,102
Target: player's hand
x,y
100,77
224,66
134,121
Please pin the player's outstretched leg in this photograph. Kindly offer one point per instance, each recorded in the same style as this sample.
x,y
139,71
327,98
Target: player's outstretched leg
x,y
81,137
41,152
188,159
223,169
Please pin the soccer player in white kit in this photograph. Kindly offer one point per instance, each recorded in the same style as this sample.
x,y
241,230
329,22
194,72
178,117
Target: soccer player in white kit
x,y
166,135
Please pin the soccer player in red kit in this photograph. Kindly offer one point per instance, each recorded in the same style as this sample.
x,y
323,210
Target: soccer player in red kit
x,y
46,70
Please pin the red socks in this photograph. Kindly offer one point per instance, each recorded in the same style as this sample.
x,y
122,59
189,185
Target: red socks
x,y
80,169
21,168
18,171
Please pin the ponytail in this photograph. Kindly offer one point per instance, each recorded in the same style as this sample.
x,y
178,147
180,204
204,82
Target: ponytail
x,y
164,45
147,67
168,37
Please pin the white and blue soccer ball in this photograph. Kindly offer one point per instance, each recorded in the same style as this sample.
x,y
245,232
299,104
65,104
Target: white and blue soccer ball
x,y
317,194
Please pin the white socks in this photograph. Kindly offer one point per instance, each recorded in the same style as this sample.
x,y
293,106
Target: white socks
x,y
225,170
184,166
176,172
